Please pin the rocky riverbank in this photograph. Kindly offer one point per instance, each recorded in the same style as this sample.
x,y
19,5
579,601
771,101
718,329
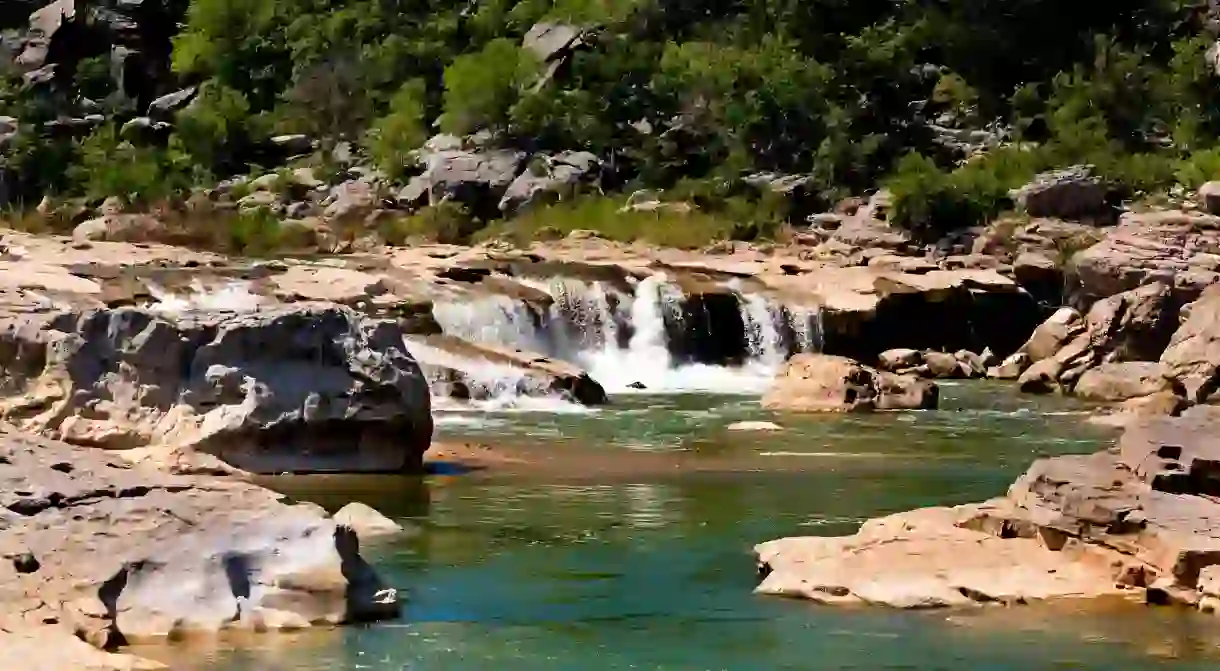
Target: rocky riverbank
x,y
100,553
1138,520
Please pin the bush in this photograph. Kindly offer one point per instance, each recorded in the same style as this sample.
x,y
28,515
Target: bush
x,y
395,136
1198,169
107,167
447,223
930,200
481,88
666,227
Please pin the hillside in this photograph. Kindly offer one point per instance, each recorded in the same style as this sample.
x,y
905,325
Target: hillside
x,y
755,112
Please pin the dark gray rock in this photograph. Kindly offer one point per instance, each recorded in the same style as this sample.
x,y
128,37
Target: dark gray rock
x,y
1071,193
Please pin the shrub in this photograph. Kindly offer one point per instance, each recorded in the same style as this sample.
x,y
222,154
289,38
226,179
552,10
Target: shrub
x,y
395,136
107,166
931,200
1199,168
447,222
665,227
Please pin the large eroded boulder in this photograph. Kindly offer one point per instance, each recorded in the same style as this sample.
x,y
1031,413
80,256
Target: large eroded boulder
x,y
826,383
299,389
1141,520
1134,325
1193,354
114,553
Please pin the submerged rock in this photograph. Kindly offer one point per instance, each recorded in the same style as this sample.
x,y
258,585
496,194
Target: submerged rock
x,y
299,389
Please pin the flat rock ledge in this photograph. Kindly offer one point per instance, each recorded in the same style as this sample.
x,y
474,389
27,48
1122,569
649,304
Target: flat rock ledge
x,y
96,553
1138,520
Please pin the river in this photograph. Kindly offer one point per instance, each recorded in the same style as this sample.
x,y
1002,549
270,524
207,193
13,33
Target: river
x,y
651,569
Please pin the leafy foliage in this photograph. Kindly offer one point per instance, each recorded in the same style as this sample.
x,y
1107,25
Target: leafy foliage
x,y
680,95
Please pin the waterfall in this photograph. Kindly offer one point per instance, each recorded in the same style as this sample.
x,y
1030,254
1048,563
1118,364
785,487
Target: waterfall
x,y
623,341
232,297
492,386
764,344
806,326
494,320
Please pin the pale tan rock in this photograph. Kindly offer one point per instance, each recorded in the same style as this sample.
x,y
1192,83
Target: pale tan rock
x,y
824,383
335,390
1011,367
1193,354
754,427
366,521
53,648
323,283
168,554
895,360
921,559
1121,381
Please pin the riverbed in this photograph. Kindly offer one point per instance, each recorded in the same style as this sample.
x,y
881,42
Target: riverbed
x,y
650,567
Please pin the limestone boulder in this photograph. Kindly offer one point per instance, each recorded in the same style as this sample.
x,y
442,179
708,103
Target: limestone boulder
x,y
1134,325
298,389
1209,196
923,559
477,179
906,392
1140,520
1072,193
943,365
553,177
1193,354
119,228
366,521
1172,247
1041,377
1053,334
114,552
1010,368
894,360
826,383
1113,382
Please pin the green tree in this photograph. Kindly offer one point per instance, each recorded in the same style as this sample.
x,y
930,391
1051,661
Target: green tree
x,y
482,87
394,136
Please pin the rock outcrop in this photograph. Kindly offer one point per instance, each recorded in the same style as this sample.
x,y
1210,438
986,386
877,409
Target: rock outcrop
x,y
1072,193
1141,519
1193,353
825,383
1176,248
300,389
102,551
1134,325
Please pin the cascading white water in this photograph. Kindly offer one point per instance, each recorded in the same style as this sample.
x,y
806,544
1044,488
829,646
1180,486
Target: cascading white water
x,y
494,387
807,327
493,320
585,322
761,318
232,297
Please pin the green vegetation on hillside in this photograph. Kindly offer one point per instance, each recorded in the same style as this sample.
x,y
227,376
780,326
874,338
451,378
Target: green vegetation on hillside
x,y
686,97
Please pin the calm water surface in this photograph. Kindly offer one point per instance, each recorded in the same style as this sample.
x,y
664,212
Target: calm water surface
x,y
654,572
